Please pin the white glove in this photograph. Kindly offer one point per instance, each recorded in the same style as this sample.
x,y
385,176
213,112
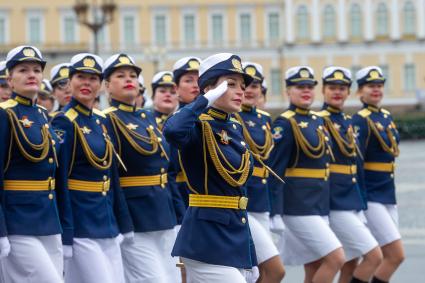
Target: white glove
x,y
214,94
276,224
4,247
67,251
128,238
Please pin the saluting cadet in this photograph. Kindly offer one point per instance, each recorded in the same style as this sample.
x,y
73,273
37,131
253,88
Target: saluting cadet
x,y
31,208
88,170
214,241
301,155
44,96
378,142
5,90
145,154
346,215
256,125
164,96
59,79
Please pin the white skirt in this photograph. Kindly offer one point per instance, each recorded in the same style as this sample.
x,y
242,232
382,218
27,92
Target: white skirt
x,y
148,259
264,246
382,220
351,230
201,272
94,261
307,239
34,259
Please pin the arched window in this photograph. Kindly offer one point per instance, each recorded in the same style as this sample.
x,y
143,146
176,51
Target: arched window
x,y
409,18
329,22
355,21
302,23
382,20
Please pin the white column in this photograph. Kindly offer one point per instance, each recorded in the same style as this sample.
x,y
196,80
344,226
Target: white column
x,y
315,21
368,11
420,21
342,21
395,20
288,21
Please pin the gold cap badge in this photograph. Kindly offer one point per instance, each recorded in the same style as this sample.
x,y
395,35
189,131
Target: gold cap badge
x,y
304,74
374,74
237,64
89,62
124,60
64,72
167,78
250,71
193,64
29,52
338,75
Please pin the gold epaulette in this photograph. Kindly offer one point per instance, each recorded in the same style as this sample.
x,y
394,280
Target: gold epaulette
x,y
234,120
348,116
41,107
288,114
109,110
98,113
364,112
205,117
262,112
323,113
385,111
54,114
8,104
71,114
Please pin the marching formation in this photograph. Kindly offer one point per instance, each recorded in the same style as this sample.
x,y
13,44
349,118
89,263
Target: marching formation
x,y
203,187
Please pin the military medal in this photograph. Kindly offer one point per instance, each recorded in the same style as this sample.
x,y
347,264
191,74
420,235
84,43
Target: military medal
x,y
250,123
26,122
303,125
132,126
85,130
224,138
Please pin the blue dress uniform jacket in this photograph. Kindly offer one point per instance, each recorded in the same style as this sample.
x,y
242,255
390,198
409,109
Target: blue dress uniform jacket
x,y
301,155
30,205
378,142
258,136
210,234
344,188
88,170
145,154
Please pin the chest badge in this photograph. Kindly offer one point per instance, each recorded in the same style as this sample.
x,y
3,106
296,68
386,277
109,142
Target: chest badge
x,y
224,137
379,126
85,130
250,123
132,126
26,122
303,125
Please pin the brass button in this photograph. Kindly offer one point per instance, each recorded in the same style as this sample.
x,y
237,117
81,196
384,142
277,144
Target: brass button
x,y
50,160
163,186
259,115
151,127
105,177
392,176
143,115
314,117
243,220
162,170
104,193
53,142
162,154
105,162
327,165
98,121
50,196
159,139
326,178
46,126
327,151
326,139
234,126
263,127
354,180
243,143
320,127
264,181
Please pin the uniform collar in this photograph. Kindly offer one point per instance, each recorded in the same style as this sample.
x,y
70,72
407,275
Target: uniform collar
x,y
371,107
123,106
23,100
247,108
331,109
299,110
160,115
218,114
80,107
182,104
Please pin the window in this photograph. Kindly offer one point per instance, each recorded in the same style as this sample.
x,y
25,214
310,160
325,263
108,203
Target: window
x,y
129,29
409,77
101,36
273,23
3,29
409,18
276,78
189,29
382,20
34,30
302,23
245,28
69,29
160,30
329,22
355,21
217,29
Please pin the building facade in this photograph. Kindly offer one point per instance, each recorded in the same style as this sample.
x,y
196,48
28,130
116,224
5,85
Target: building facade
x,y
275,33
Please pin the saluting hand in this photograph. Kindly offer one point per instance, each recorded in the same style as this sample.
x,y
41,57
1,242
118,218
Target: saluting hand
x,y
214,94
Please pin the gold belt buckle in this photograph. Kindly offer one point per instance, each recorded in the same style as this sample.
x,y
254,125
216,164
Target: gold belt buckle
x,y
243,202
105,186
162,180
51,183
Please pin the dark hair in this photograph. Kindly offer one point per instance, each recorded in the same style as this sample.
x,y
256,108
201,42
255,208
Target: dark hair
x,y
209,82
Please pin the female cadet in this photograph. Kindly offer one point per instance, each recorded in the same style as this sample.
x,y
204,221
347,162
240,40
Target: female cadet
x,y
30,206
346,199
5,90
144,179
214,240
44,96
257,133
302,154
88,170
378,142
164,96
59,79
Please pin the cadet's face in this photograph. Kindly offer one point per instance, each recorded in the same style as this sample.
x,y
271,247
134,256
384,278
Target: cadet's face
x,y
261,102
165,99
301,95
231,100
62,92
372,93
188,88
25,78
123,85
46,103
84,88
252,94
335,95
5,91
